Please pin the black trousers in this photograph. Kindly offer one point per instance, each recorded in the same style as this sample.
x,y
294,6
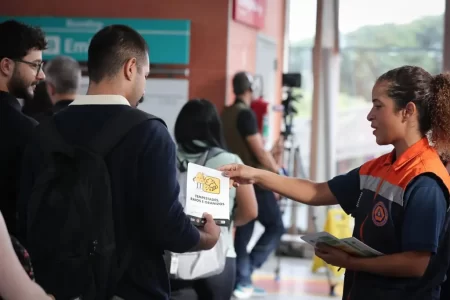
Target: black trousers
x,y
218,287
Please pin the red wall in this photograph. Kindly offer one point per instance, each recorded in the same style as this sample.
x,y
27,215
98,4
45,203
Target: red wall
x,y
209,22
213,61
242,46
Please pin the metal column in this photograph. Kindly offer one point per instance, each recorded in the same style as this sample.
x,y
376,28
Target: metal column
x,y
446,52
326,73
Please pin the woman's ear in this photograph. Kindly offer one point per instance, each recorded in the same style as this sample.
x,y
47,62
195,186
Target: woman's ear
x,y
409,111
411,108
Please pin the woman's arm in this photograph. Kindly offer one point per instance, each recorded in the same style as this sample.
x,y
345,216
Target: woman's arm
x,y
425,208
405,264
14,281
300,190
246,205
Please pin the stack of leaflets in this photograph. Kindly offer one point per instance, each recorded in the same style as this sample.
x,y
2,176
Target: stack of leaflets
x,y
350,245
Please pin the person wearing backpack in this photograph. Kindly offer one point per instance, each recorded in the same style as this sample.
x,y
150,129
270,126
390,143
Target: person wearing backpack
x,y
198,133
99,197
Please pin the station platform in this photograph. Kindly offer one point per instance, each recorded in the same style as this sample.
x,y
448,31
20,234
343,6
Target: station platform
x,y
296,281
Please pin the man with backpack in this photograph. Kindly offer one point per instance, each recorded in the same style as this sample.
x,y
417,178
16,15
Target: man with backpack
x,y
99,202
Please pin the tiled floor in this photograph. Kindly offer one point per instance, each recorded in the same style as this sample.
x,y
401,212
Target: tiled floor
x,y
296,281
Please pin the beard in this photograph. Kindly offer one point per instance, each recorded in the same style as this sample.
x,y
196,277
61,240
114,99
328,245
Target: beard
x,y
140,101
20,88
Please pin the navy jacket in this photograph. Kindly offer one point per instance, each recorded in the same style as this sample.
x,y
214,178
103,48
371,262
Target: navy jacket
x,y
144,190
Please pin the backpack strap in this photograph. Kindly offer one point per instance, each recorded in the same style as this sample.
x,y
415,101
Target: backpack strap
x,y
203,158
208,154
115,129
51,140
213,152
112,132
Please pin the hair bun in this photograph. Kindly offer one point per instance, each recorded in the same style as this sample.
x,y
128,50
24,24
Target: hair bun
x,y
439,107
439,82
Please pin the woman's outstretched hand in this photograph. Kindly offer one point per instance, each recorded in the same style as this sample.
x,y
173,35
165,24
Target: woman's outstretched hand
x,y
239,174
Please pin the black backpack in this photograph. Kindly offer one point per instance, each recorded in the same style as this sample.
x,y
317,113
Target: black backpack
x,y
70,222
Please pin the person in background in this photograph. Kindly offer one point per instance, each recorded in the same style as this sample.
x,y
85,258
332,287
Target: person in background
x,y
20,71
15,284
63,77
399,200
198,129
142,167
243,138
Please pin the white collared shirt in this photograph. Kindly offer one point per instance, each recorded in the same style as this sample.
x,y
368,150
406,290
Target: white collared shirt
x,y
100,100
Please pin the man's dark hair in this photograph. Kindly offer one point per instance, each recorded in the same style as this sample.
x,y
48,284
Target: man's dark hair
x,y
111,47
242,82
17,39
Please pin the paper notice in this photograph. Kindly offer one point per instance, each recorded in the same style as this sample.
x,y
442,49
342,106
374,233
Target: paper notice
x,y
207,191
363,248
351,245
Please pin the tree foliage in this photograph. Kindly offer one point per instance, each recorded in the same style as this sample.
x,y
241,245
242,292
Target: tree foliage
x,y
369,51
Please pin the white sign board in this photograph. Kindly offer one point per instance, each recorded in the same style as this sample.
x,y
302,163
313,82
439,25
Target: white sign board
x,y
164,98
207,191
84,84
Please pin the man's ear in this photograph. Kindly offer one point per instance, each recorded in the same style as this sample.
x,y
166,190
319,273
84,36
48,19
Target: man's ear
x,y
130,68
6,66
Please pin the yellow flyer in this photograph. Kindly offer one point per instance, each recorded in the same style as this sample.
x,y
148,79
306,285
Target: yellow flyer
x,y
207,191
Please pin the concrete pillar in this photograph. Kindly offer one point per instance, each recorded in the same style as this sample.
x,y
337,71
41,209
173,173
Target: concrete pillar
x,y
326,74
446,50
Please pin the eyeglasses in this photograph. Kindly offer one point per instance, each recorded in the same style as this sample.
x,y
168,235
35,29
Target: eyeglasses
x,y
35,65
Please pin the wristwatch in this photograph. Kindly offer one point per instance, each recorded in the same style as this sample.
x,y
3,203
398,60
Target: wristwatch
x,y
282,171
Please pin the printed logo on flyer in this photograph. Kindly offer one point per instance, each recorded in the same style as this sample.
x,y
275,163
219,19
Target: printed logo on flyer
x,y
208,184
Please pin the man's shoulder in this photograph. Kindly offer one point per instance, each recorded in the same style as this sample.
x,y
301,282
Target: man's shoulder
x,y
151,131
246,112
152,124
21,123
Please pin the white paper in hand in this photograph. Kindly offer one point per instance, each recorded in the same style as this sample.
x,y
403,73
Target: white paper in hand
x,y
351,245
207,191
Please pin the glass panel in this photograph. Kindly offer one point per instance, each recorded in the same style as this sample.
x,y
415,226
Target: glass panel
x,y
375,39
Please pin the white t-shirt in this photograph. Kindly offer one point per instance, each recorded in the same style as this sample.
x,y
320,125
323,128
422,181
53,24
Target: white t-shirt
x,y
214,163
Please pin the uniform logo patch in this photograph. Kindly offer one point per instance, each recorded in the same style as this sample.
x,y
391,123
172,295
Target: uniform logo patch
x,y
379,214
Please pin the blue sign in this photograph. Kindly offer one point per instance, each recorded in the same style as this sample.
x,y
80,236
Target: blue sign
x,y
168,40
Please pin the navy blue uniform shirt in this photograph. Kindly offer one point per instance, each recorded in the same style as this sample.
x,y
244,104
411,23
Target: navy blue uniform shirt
x,y
417,228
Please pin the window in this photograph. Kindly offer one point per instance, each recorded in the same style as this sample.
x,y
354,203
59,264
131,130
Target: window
x,y
376,37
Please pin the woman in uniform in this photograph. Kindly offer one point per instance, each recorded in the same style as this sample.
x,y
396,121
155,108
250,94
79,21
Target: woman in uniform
x,y
399,200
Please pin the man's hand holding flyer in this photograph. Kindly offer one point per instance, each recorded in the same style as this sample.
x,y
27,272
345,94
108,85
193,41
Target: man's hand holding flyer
x,y
207,191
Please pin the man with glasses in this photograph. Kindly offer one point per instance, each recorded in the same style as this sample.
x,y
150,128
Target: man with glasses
x,y
20,70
